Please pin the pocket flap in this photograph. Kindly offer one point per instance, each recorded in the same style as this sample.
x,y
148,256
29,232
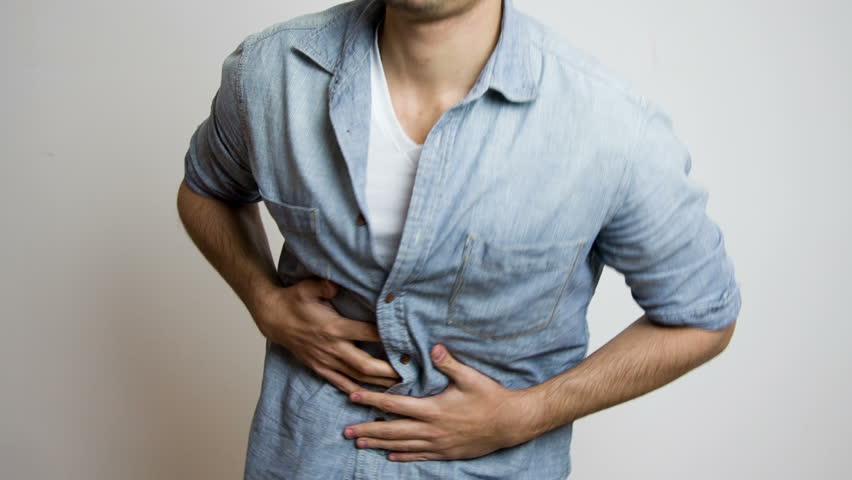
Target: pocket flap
x,y
293,218
521,258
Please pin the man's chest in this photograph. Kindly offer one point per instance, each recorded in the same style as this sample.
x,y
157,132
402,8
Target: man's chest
x,y
503,207
505,174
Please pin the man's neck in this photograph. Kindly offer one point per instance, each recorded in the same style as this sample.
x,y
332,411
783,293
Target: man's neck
x,y
438,59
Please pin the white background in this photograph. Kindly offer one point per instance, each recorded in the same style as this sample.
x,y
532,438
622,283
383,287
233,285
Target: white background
x,y
124,356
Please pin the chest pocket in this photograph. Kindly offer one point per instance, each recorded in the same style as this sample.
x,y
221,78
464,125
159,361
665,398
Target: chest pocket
x,y
509,291
293,218
299,226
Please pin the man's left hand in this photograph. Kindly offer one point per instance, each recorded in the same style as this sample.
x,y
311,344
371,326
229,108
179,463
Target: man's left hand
x,y
473,416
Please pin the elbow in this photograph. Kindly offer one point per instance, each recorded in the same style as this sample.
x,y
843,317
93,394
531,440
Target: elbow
x,y
182,197
183,193
723,338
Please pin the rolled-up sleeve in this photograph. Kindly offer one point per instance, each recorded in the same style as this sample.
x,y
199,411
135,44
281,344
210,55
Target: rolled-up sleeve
x,y
672,255
216,163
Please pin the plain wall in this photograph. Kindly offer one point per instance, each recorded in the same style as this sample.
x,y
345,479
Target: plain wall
x,y
124,356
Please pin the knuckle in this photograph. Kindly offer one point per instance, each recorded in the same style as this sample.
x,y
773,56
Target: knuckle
x,y
329,329
388,404
327,349
432,436
441,440
431,413
320,359
362,366
299,292
382,444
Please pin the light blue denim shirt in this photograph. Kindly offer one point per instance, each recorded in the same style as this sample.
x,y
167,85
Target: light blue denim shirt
x,y
550,168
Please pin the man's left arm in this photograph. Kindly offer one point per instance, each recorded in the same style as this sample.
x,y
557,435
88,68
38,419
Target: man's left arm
x,y
673,258
642,358
476,415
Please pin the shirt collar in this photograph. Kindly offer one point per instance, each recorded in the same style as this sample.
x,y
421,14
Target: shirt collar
x,y
342,45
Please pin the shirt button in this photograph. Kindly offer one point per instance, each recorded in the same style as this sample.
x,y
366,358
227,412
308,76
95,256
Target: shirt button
x,y
390,297
404,358
360,220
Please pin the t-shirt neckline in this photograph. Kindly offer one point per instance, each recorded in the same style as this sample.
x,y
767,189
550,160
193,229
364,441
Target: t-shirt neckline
x,y
404,141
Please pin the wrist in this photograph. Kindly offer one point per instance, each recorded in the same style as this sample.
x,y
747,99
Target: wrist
x,y
258,296
529,415
548,407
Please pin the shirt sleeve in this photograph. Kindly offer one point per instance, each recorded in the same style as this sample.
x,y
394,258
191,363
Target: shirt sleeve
x,y
216,163
660,238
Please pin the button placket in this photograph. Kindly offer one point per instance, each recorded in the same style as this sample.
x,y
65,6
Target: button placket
x,y
419,214
404,358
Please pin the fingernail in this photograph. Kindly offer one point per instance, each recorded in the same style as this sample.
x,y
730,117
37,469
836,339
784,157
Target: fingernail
x,y
438,353
355,397
347,433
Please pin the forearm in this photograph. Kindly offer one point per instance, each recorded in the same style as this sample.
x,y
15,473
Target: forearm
x,y
233,240
643,357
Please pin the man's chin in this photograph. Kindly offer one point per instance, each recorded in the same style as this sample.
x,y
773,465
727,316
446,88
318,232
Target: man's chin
x,y
430,10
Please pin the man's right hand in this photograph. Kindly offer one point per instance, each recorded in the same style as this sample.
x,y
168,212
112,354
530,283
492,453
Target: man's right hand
x,y
301,319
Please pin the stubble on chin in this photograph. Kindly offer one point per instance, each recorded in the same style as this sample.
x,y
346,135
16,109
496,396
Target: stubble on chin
x,y
430,10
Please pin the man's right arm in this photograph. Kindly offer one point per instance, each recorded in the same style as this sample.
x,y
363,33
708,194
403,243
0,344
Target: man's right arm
x,y
232,238
218,204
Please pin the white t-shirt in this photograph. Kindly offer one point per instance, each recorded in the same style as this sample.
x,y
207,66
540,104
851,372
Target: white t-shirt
x,y
391,164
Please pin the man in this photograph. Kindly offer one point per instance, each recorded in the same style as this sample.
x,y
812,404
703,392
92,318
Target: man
x,y
450,179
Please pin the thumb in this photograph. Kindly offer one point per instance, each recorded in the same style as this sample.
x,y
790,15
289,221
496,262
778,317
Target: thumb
x,y
330,289
459,373
319,287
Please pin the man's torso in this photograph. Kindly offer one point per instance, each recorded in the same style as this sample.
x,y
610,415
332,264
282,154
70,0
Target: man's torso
x,y
495,259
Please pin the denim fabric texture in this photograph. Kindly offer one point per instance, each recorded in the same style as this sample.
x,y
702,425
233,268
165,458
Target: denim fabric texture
x,y
549,169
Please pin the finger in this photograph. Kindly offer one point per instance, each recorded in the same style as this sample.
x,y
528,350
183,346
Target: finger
x,y
317,288
462,375
365,363
414,456
343,384
400,404
399,445
381,381
330,362
401,429
357,330
351,372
